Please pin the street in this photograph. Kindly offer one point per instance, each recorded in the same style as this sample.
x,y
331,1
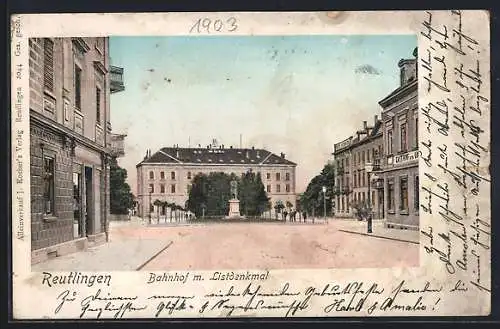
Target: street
x,y
272,245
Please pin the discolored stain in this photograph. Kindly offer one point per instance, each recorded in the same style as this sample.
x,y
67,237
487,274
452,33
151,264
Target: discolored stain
x,y
333,17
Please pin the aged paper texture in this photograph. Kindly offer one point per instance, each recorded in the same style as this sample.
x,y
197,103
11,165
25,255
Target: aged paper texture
x,y
394,106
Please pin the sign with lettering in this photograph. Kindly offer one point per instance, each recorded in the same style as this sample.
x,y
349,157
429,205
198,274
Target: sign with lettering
x,y
184,258
406,157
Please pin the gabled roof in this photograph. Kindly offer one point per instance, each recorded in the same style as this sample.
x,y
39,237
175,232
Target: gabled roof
x,y
208,156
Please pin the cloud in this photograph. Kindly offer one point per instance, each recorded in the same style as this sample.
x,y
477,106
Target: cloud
x,y
367,69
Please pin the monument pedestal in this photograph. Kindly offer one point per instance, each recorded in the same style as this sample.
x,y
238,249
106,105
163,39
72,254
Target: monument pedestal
x,y
234,209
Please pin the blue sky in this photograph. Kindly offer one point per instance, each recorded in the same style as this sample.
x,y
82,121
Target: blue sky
x,y
293,94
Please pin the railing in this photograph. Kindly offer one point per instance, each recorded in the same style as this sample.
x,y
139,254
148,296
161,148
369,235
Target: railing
x,y
116,79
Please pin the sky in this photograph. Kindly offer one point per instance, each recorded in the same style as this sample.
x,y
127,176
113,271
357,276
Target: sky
x,y
293,94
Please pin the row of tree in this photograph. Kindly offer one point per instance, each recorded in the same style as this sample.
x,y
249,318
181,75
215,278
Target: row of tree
x,y
120,195
210,194
176,210
313,199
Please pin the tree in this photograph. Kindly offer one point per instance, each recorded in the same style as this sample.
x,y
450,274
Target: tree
x,y
121,198
158,204
312,199
252,195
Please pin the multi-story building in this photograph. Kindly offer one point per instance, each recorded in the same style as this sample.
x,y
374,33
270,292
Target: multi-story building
x,y
70,139
399,165
167,174
351,179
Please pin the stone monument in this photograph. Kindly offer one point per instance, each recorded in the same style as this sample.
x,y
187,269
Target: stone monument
x,y
234,203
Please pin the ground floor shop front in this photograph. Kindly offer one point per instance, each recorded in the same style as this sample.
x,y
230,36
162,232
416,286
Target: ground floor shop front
x,y
69,191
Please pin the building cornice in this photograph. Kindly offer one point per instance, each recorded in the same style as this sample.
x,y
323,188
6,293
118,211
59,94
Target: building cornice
x,y
60,129
201,165
398,93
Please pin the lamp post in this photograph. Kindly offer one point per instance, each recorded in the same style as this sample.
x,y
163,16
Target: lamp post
x,y
149,205
369,169
324,202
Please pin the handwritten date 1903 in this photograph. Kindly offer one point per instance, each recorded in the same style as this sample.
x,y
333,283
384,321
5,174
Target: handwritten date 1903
x,y
207,25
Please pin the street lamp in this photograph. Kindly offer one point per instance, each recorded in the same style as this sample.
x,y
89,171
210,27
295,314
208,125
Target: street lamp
x,y
324,202
150,190
369,169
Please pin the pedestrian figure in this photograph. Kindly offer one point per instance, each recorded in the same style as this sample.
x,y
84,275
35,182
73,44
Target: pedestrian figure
x,y
304,215
284,215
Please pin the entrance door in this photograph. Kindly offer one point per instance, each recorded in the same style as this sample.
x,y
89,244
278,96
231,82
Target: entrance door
x,y
77,203
89,209
381,204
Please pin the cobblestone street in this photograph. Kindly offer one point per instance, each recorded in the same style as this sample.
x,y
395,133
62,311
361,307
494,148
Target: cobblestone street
x,y
338,244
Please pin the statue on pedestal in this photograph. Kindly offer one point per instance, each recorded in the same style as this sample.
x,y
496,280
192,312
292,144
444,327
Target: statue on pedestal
x,y
234,189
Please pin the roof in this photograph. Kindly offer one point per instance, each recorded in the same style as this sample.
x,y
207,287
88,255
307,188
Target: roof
x,y
208,156
352,141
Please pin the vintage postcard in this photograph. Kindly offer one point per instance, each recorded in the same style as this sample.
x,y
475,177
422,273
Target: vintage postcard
x,y
208,165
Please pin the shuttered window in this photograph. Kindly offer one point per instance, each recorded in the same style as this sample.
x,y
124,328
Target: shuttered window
x,y
98,105
78,87
48,64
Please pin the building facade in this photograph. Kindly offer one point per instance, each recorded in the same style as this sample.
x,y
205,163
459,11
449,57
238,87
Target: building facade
x,y
351,179
399,165
69,132
167,174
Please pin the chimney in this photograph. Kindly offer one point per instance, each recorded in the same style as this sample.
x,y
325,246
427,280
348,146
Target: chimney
x,y
253,147
177,154
222,146
282,155
375,120
364,125
248,154
258,154
408,70
231,147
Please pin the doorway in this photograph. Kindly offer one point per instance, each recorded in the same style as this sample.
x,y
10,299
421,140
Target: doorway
x,y
77,204
89,207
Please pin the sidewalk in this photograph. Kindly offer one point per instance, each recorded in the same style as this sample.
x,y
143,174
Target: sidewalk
x,y
379,231
119,254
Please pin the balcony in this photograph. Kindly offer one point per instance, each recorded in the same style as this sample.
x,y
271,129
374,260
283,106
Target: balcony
x,y
116,79
117,145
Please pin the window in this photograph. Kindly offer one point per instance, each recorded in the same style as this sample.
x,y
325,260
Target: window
x,y
404,145
172,188
172,175
347,162
368,155
48,64
416,130
162,188
48,180
268,176
390,195
363,157
347,181
151,175
162,175
389,142
287,176
268,189
403,189
151,188
287,188
78,87
416,201
359,178
98,105
278,188
364,178
189,175
278,176
373,199
355,185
